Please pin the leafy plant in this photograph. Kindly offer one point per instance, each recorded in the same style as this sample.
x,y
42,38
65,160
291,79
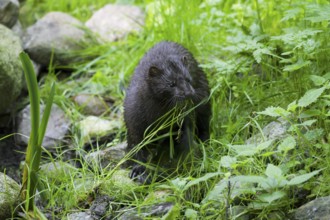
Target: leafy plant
x,y
38,129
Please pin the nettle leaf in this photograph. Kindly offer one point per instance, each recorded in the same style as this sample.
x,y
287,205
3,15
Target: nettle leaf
x,y
318,13
201,179
264,145
308,122
314,135
244,150
271,197
248,179
291,13
317,80
273,171
295,35
191,214
310,97
292,106
296,66
327,76
302,178
310,113
287,144
250,149
257,54
227,161
274,112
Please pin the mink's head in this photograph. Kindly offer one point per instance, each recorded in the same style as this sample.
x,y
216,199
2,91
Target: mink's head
x,y
170,74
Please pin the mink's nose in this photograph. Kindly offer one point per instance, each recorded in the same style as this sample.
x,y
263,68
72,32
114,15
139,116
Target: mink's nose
x,y
188,91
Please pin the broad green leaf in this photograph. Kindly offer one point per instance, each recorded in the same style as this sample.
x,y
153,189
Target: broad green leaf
x,y
248,179
302,178
310,97
202,179
274,112
264,145
273,171
310,113
308,122
270,197
291,13
191,214
327,76
227,161
317,80
296,66
238,184
287,144
244,150
292,106
313,135
173,213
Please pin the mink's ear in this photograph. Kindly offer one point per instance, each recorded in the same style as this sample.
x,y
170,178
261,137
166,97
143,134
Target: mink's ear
x,y
154,71
184,60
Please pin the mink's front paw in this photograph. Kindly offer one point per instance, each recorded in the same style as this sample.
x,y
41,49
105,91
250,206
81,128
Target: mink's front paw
x,y
140,174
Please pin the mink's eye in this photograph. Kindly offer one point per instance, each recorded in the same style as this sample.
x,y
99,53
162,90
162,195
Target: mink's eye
x,y
172,84
154,71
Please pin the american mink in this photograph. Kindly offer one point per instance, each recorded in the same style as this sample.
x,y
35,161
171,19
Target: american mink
x,y
167,77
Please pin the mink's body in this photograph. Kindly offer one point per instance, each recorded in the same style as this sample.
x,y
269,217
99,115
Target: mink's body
x,y
167,76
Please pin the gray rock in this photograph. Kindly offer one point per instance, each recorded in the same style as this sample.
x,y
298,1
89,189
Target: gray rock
x,y
95,127
106,157
57,128
274,130
101,207
57,33
18,29
157,210
11,73
9,196
9,10
113,22
119,183
59,169
80,216
318,209
90,104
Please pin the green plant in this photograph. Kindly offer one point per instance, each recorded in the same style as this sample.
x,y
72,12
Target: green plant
x,y
33,152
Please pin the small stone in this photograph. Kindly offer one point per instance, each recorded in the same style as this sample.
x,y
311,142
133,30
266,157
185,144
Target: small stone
x,y
93,126
113,22
57,127
318,209
11,72
272,131
18,29
157,210
57,170
56,33
9,196
9,10
80,216
110,155
90,104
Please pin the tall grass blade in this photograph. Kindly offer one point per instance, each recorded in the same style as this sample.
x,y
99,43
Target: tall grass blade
x,y
46,114
33,153
31,81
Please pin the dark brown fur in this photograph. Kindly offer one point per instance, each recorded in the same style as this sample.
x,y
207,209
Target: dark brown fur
x,y
167,76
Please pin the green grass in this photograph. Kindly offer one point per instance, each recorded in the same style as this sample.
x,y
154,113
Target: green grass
x,y
257,54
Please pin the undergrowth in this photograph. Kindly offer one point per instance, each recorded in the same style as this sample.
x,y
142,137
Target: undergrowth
x,y
266,61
